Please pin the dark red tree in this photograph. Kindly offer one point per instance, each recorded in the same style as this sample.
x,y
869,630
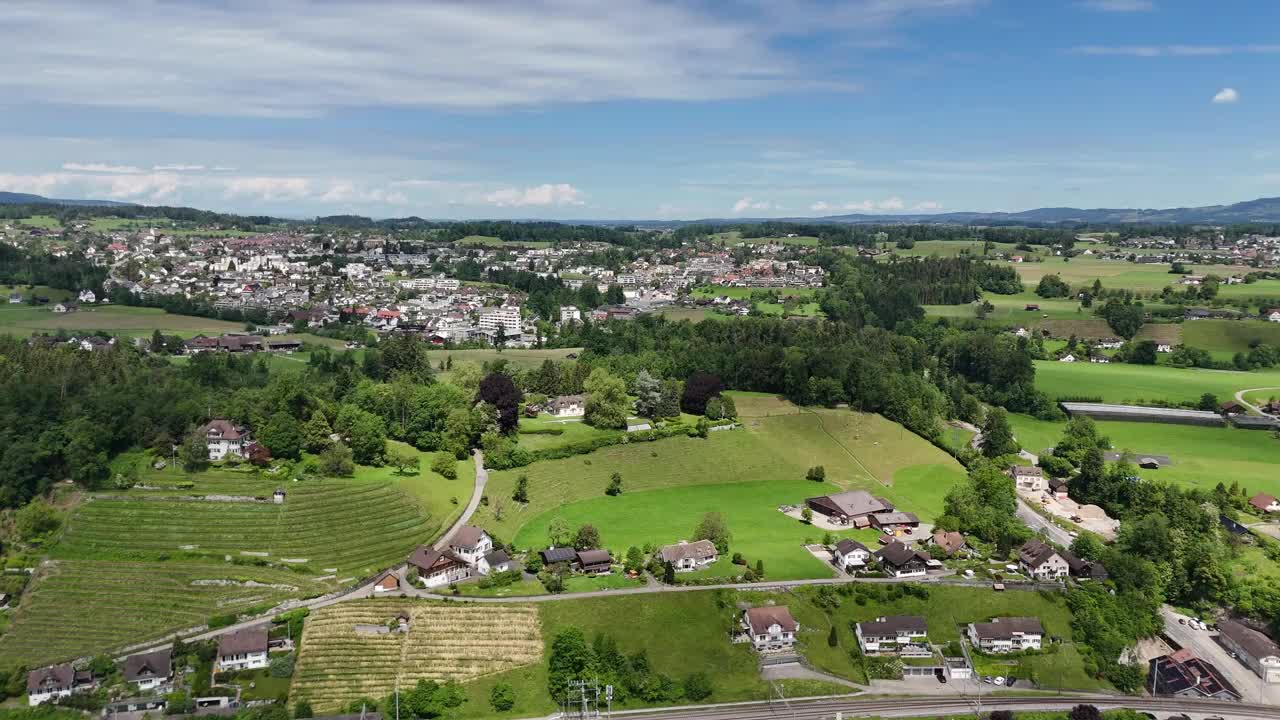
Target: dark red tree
x,y
498,390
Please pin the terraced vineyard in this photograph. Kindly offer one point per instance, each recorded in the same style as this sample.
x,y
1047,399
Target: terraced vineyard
x,y
340,528
444,641
82,607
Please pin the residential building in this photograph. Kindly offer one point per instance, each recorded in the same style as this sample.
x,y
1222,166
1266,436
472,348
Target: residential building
x,y
948,542
149,671
1010,634
905,635
899,560
595,562
770,628
570,314
850,555
686,556
503,317
438,567
1058,488
471,544
388,582
1081,569
891,522
65,307
1273,315
853,507
242,650
555,555
1258,651
55,682
1027,477
1181,674
1041,561
568,406
1264,503
225,438
496,561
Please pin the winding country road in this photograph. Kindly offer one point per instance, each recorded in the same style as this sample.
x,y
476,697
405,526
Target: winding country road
x,y
1240,398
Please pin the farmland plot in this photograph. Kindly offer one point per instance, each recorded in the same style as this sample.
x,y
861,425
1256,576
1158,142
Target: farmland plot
x,y
443,641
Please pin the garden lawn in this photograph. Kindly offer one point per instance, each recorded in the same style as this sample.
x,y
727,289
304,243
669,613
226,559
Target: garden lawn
x,y
112,319
1201,456
1133,384
947,609
661,517
54,294
571,431
680,633
857,450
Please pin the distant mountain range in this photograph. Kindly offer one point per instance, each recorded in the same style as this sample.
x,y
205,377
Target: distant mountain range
x,y
1262,210
11,198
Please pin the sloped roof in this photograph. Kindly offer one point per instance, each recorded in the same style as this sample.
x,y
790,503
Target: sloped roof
x,y
52,677
894,624
1250,640
147,665
697,550
761,618
249,640
1006,628
467,536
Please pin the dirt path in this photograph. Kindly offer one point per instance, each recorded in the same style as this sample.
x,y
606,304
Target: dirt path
x,y
1240,398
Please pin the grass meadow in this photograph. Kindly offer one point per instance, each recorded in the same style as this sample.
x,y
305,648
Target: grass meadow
x,y
113,319
1135,384
1201,456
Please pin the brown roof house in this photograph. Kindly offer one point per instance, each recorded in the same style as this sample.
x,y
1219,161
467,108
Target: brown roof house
x,y
850,555
1041,561
1181,674
595,562
899,560
149,671
1004,635
54,683
906,635
1258,651
438,567
1264,503
949,543
224,438
770,628
685,556
471,543
242,650
853,507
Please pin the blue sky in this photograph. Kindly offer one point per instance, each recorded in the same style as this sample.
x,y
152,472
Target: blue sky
x,y
643,109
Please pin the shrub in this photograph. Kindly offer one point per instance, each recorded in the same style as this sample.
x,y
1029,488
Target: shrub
x,y
503,697
697,686
281,666
221,621
817,473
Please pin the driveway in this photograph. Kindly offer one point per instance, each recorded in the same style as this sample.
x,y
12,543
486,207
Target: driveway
x,y
1240,398
1033,520
1204,644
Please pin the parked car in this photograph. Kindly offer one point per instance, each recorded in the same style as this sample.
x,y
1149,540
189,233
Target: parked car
x,y
999,680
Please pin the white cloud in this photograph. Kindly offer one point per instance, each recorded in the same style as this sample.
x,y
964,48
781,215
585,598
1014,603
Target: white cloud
x,y
301,58
1119,6
539,195
1226,96
893,203
177,168
927,206
862,206
1176,50
100,167
746,203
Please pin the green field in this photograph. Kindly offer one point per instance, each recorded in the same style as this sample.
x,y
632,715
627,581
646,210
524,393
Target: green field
x,y
1122,383
744,474
79,608
491,241
733,237
662,517
1267,289
520,358
54,294
1229,335
163,561
113,319
952,248
741,293
677,314
1202,456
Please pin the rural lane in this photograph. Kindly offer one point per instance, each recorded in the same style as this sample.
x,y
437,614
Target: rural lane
x,y
1240,398
482,477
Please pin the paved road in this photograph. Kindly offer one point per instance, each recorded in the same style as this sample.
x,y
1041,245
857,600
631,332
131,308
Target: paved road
x,y
1204,645
850,707
482,477
1240,398
1036,522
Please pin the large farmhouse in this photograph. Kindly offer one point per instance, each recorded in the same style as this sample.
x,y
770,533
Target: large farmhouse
x,y
1040,561
438,567
685,556
854,507
243,650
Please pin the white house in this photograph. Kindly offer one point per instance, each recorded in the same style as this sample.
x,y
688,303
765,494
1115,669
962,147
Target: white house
x,y
224,438
149,671
242,650
64,307
1027,477
1010,634
686,556
770,628
1258,651
1265,503
471,544
1164,348
570,314
496,561
850,555
54,683
1040,561
87,296
1067,358
436,568
568,406
906,635
1273,315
